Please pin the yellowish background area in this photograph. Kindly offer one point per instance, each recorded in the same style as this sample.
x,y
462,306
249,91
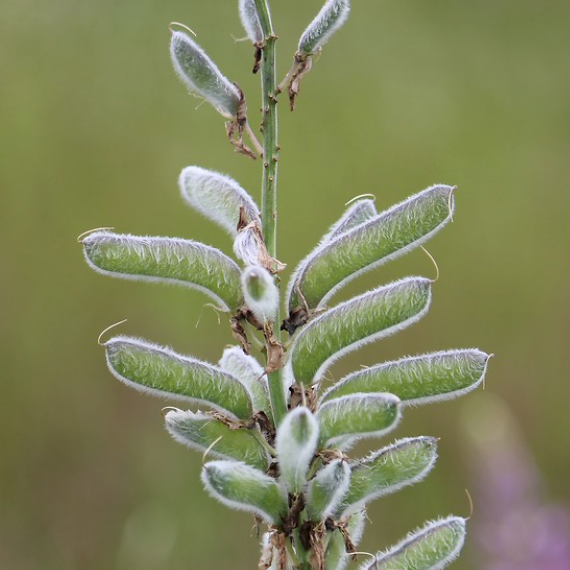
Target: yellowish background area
x,y
94,129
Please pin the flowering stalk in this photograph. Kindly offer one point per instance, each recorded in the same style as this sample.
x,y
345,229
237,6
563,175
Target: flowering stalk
x,y
281,443
269,184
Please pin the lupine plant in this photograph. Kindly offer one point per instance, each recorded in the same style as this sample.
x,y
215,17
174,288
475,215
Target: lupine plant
x,y
281,442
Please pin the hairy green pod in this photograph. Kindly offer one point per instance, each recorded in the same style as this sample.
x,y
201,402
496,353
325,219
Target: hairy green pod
x,y
166,260
296,443
202,76
218,197
203,432
326,489
358,213
330,18
242,487
420,379
432,547
250,21
369,245
349,325
358,416
386,471
260,293
160,371
250,373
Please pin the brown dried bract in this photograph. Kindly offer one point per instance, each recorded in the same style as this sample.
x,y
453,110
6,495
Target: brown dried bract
x,y
277,541
297,318
328,455
236,128
265,425
232,424
301,66
303,396
238,333
296,506
342,527
270,263
257,56
275,350
317,538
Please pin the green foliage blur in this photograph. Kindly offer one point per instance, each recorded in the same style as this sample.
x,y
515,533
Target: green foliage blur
x,y
94,130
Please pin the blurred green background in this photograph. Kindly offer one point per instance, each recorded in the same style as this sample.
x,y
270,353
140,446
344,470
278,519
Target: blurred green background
x,y
94,129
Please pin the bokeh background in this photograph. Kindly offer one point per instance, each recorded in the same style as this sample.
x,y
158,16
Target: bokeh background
x,y
94,129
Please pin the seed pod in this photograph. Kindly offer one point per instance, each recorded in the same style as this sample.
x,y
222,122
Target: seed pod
x,y
202,76
326,490
218,197
296,443
358,415
371,244
430,548
357,214
420,379
167,260
331,17
386,471
260,293
203,432
250,373
160,371
350,325
250,21
242,487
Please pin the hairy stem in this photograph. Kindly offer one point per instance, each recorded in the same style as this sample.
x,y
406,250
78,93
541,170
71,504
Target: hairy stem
x,y
269,187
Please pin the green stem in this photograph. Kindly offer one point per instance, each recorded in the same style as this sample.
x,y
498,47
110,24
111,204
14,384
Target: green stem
x,y
303,555
269,186
270,144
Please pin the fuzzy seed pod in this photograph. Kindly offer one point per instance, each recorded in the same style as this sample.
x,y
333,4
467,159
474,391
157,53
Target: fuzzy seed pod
x,y
218,198
202,76
242,487
326,490
260,293
432,547
296,443
250,21
331,17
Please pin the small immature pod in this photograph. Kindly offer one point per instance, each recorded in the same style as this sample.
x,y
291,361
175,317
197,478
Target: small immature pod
x,y
418,380
250,373
358,213
358,415
326,490
386,471
242,487
432,547
336,556
260,293
331,17
350,325
203,432
160,371
296,443
202,76
250,21
246,245
218,197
